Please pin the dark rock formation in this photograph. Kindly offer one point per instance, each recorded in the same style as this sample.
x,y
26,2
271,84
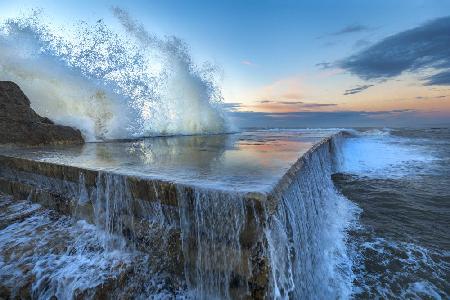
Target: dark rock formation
x,y
20,124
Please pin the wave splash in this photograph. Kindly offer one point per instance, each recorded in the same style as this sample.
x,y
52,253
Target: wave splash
x,y
111,84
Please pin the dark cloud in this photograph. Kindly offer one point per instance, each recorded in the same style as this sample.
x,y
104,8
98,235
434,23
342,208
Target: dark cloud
x,y
441,78
231,106
399,117
396,111
426,46
290,102
357,89
325,65
361,43
351,29
435,97
330,43
317,105
297,104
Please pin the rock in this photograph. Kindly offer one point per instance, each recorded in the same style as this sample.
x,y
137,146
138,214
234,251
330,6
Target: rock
x,y
20,124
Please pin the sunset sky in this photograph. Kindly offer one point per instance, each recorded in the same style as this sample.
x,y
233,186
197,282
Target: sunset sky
x,y
305,63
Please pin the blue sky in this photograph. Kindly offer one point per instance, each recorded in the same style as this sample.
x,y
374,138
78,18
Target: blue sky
x,y
272,52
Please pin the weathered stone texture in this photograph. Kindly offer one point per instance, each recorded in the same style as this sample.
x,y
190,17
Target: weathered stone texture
x,y
20,124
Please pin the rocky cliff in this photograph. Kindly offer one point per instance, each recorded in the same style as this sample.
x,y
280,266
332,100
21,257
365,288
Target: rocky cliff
x,y
20,124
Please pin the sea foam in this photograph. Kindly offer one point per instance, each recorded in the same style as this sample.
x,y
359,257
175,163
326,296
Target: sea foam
x,y
377,153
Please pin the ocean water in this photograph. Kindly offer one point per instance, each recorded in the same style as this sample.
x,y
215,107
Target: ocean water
x,y
400,244
367,220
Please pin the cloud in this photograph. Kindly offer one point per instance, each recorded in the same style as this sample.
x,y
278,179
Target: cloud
x,y
277,105
330,43
318,105
357,89
398,117
284,89
270,106
247,63
291,96
325,65
423,47
396,111
328,69
351,29
435,97
441,78
232,106
290,102
361,43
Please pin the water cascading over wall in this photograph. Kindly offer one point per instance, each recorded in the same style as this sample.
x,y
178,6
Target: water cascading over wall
x,y
297,238
306,232
289,243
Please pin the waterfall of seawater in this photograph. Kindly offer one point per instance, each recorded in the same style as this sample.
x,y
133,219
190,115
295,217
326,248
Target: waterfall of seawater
x,y
145,230
211,225
307,235
215,243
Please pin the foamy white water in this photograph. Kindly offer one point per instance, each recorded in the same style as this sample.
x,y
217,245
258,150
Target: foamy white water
x,y
110,83
375,153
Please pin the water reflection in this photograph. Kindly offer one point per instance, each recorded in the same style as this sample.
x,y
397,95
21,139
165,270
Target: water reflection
x,y
245,161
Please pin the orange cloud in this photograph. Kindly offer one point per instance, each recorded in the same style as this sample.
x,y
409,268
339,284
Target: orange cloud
x,y
288,106
289,88
284,95
308,93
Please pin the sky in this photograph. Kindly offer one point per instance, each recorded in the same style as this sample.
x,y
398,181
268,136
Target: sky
x,y
321,63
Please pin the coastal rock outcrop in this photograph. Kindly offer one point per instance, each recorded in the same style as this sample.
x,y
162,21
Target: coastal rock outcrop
x,y
20,124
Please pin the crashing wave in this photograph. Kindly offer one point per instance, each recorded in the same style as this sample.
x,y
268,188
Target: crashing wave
x,y
110,82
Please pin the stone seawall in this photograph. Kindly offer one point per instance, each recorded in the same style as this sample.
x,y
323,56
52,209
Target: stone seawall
x,y
146,212
215,240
